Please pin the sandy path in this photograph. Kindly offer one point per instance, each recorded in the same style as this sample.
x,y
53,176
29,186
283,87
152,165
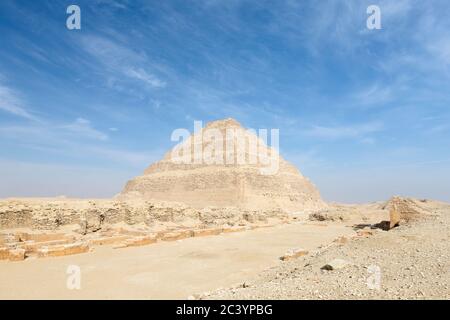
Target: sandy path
x,y
164,270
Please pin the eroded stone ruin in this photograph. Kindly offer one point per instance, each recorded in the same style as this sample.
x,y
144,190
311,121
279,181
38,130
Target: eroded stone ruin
x,y
49,228
404,210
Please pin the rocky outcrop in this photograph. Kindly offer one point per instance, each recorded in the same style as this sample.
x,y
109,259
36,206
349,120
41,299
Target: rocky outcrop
x,y
403,210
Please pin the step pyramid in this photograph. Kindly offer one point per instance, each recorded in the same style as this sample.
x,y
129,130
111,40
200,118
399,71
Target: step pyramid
x,y
225,165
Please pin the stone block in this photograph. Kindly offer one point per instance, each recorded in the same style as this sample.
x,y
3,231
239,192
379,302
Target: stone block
x,y
63,250
16,254
4,253
234,229
140,241
207,232
394,217
32,247
107,240
177,235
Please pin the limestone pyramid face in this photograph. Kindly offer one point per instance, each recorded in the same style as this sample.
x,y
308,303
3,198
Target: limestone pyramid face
x,y
225,165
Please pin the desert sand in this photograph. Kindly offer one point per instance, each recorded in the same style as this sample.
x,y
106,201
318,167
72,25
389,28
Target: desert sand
x,y
165,270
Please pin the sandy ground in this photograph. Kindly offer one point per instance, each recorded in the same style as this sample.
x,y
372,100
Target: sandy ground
x,y
166,270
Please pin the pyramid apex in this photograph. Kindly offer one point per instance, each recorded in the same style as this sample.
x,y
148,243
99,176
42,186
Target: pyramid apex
x,y
223,123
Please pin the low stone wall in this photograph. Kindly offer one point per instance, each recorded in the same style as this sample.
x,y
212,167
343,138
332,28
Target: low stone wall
x,y
17,246
15,254
63,250
207,232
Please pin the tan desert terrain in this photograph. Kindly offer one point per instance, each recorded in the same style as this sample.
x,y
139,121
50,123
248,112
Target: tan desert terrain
x,y
413,259
413,262
207,231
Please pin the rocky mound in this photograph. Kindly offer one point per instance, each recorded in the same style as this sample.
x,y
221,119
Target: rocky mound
x,y
224,165
404,210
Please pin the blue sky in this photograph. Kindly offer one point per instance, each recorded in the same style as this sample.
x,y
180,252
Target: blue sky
x,y
363,113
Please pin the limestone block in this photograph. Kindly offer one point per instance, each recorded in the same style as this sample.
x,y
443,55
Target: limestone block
x,y
140,241
63,250
207,232
4,253
32,247
234,229
177,235
131,232
394,217
107,240
76,248
16,254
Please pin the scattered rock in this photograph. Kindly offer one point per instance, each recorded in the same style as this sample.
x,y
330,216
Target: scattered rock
x,y
342,240
326,215
335,264
294,253
364,233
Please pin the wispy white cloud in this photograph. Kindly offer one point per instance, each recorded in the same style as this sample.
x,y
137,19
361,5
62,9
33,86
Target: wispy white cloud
x,y
142,75
83,127
113,3
11,102
375,94
110,53
119,61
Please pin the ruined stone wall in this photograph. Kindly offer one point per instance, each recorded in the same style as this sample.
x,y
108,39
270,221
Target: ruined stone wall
x,y
91,215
